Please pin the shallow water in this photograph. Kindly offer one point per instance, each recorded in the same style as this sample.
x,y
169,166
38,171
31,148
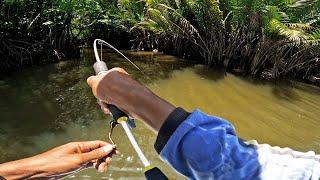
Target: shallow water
x,y
43,107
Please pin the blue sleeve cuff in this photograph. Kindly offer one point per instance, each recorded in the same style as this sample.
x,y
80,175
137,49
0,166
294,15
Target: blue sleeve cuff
x,y
170,125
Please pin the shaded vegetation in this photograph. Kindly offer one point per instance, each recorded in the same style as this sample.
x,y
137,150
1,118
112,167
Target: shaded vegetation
x,y
269,38
35,32
260,38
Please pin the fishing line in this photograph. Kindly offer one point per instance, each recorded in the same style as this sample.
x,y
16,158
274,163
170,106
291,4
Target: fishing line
x,y
124,124
102,42
119,117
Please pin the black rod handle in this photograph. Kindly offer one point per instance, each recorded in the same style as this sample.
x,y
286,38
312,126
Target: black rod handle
x,y
155,174
116,112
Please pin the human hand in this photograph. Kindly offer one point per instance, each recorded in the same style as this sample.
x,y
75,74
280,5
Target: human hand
x,y
115,87
111,87
61,161
118,88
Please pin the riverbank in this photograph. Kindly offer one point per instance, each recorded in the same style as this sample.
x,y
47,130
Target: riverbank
x,y
149,56
260,39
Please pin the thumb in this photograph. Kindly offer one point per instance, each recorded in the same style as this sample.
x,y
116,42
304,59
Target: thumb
x,y
98,153
91,80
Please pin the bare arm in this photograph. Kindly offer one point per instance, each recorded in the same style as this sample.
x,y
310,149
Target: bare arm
x,y
118,88
60,161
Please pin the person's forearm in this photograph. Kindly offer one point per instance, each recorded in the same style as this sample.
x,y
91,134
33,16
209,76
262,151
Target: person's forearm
x,y
145,105
150,108
120,89
20,169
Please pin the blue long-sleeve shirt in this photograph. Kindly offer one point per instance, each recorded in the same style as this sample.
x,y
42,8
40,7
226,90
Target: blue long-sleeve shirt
x,y
200,146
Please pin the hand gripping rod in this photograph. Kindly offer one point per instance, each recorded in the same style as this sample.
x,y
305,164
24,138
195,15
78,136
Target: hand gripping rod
x,y
100,67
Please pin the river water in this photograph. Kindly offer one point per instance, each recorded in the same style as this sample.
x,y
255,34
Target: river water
x,y
42,107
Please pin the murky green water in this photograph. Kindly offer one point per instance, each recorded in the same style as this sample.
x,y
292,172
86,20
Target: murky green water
x,y
44,107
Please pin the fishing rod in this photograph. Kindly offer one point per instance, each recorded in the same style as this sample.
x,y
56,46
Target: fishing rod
x,y
119,117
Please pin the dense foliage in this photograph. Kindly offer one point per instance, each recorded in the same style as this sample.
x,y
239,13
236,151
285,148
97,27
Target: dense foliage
x,y
273,38
37,31
270,38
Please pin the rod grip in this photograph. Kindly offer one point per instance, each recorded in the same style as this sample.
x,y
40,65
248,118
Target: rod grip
x,y
155,174
116,112
101,67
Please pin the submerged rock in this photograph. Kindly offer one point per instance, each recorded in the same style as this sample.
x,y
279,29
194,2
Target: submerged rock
x,y
268,74
314,79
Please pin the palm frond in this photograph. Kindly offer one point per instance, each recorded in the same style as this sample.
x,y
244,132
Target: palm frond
x,y
302,3
300,26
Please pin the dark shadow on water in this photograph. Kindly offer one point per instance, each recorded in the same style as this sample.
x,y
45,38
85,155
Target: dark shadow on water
x,y
154,66
284,91
312,89
209,73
